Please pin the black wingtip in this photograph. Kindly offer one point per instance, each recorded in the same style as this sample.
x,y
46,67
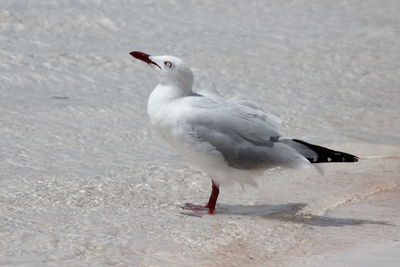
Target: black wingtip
x,y
328,155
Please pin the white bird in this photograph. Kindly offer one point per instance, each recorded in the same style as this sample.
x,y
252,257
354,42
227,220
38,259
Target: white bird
x,y
231,140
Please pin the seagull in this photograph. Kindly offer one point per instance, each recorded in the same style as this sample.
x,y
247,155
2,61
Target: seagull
x,y
232,140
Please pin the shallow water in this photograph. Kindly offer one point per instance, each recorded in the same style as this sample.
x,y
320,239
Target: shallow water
x,y
84,180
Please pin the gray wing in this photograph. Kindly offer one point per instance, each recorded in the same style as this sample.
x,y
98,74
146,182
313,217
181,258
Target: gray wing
x,y
253,109
245,138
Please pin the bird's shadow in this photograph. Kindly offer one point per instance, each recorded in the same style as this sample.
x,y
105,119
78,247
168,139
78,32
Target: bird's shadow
x,y
292,212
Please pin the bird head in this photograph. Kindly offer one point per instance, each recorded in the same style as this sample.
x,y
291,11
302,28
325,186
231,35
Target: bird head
x,y
173,71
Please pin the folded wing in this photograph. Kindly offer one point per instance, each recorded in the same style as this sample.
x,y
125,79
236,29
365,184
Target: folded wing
x,y
246,137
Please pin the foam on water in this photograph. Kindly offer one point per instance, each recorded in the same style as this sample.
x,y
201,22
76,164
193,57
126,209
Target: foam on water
x,y
321,206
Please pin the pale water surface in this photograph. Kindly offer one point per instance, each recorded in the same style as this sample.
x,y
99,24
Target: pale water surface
x,y
84,180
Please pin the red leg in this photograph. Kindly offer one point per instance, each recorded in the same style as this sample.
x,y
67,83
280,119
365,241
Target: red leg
x,y
213,198
199,210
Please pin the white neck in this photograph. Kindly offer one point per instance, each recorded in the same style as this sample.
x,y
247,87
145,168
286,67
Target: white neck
x,y
165,94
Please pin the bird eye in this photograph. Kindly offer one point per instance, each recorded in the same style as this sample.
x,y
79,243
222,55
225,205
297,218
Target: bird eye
x,y
168,64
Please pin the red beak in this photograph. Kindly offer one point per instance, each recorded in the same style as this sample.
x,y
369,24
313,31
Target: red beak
x,y
143,57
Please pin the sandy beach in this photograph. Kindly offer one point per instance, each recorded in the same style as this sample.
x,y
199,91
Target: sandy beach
x,y
84,180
